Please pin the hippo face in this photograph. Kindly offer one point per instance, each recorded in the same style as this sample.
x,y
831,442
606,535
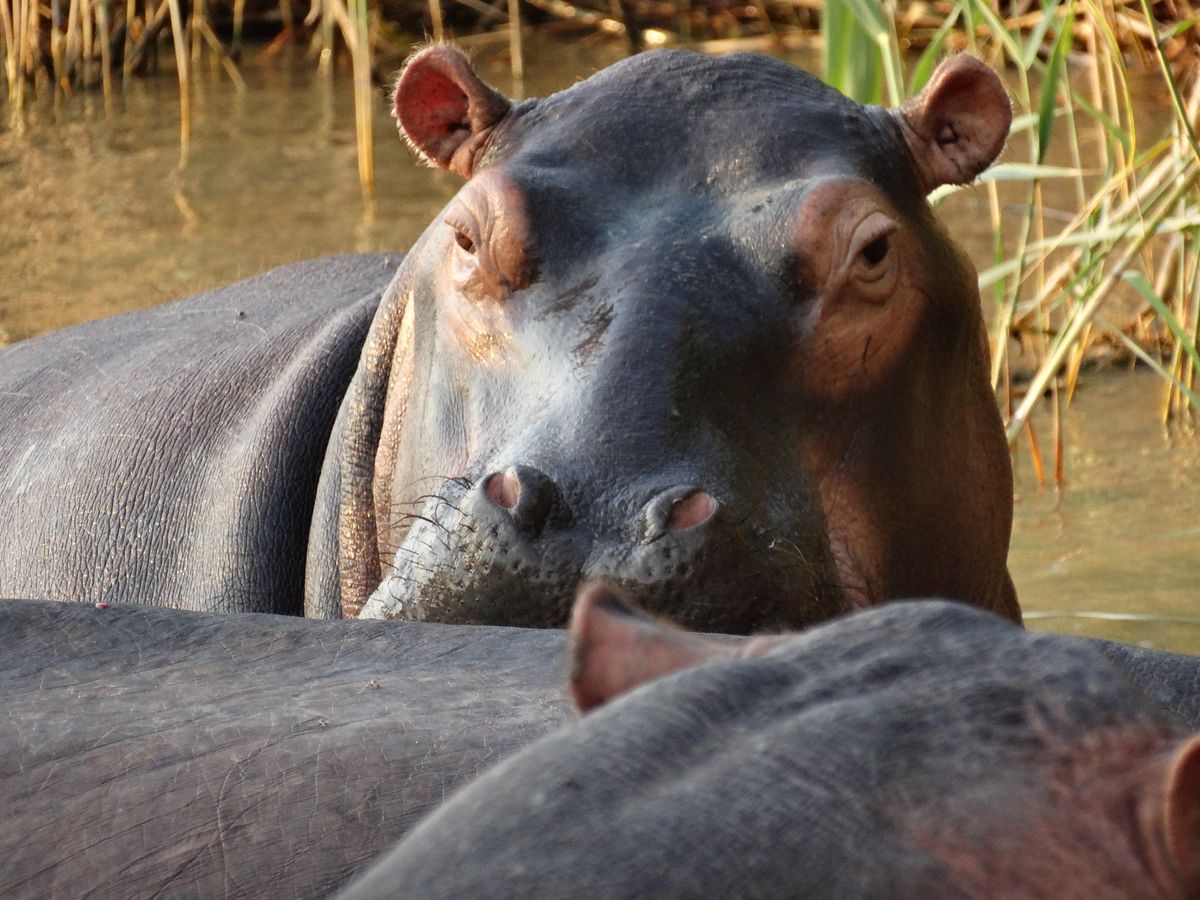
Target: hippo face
x,y
689,324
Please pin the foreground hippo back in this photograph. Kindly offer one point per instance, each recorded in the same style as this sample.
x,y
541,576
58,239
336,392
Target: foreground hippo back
x,y
919,750
154,752
654,341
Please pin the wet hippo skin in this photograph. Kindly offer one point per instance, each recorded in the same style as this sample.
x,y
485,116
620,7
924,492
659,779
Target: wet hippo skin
x,y
916,750
155,752
707,362
147,750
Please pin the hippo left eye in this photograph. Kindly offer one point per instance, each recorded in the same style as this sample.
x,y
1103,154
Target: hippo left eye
x,y
465,227
464,240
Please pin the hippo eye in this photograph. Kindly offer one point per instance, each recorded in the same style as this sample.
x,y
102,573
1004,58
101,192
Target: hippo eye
x,y
871,249
876,251
464,240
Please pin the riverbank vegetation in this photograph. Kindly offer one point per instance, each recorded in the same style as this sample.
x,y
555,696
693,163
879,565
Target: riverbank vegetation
x,y
1094,212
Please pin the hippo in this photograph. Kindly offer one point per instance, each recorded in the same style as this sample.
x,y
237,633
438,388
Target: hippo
x,y
147,751
740,371
914,750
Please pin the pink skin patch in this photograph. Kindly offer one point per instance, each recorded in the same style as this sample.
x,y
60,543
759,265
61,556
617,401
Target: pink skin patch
x,y
437,110
101,605
694,509
503,489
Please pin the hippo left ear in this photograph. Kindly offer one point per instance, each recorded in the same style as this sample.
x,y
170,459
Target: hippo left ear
x,y
445,110
615,648
957,125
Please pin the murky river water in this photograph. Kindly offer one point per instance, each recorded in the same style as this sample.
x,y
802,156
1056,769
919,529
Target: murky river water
x,y
97,217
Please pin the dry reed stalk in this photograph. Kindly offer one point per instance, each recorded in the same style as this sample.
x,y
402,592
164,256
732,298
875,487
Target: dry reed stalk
x,y
22,35
239,18
87,39
435,19
325,59
127,56
102,22
194,30
363,107
57,58
1190,371
222,54
353,24
181,63
9,34
514,40
72,39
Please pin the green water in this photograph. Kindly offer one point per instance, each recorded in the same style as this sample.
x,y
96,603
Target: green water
x,y
97,216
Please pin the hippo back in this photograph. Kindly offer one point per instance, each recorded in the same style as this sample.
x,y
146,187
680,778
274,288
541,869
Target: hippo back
x,y
171,456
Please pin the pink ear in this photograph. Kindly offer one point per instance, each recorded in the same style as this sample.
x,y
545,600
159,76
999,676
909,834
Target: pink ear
x,y
957,125
1182,813
615,648
444,110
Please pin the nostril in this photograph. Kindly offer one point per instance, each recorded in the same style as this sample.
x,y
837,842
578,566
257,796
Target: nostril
x,y
503,489
528,496
677,509
694,509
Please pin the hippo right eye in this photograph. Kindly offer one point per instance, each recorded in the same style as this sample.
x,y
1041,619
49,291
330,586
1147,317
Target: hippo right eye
x,y
874,253
871,246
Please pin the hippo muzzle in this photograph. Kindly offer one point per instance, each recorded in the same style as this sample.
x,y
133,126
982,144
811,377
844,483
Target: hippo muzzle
x,y
651,343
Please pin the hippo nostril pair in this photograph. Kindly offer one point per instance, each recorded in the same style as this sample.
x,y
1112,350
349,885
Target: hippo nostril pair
x,y
676,510
527,494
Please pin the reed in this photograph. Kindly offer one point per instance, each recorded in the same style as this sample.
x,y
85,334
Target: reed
x,y
1120,277
81,47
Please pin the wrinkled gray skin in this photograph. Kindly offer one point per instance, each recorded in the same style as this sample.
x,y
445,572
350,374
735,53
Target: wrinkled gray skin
x,y
171,456
146,750
918,750
152,752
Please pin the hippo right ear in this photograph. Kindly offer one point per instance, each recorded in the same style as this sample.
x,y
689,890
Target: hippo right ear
x,y
444,110
956,127
1182,814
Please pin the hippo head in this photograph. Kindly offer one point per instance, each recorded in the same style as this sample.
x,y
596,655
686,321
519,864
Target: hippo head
x,y
691,327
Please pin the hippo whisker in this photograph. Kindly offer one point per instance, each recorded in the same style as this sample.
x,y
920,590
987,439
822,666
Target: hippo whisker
x,y
782,544
441,500
425,544
408,517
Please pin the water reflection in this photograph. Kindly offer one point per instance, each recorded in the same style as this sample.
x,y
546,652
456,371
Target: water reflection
x,y
98,218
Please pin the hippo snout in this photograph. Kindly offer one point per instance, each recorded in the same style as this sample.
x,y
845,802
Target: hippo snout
x,y
511,547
